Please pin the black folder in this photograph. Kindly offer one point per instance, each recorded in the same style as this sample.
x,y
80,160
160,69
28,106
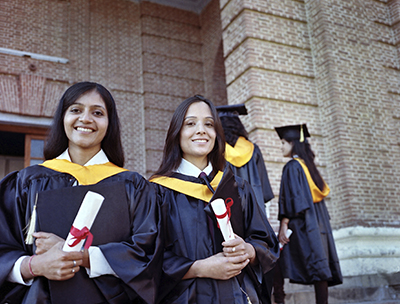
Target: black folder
x,y
56,211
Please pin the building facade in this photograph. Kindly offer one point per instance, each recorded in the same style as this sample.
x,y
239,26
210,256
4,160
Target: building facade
x,y
333,64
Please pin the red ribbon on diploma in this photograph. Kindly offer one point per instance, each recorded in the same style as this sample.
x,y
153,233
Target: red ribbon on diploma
x,y
228,204
81,234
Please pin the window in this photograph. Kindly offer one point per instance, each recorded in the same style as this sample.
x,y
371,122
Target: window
x,y
20,147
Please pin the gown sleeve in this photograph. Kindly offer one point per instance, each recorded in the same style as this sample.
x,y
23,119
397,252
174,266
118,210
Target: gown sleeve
x,y
138,262
12,224
295,196
258,232
175,264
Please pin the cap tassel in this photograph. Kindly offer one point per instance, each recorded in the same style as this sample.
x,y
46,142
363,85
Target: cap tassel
x,y
301,134
31,225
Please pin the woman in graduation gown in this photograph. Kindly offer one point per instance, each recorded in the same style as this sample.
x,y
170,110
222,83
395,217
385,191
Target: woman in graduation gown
x,y
199,267
309,255
83,152
244,157
246,161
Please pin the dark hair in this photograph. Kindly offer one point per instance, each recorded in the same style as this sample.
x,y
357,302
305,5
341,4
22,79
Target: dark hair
x,y
172,155
303,150
233,128
57,141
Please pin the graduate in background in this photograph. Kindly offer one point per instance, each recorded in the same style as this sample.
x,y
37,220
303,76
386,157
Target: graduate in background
x,y
83,150
309,255
197,267
246,160
244,156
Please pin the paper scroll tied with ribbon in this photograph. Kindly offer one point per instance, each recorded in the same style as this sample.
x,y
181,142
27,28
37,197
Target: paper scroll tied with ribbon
x,y
80,229
222,213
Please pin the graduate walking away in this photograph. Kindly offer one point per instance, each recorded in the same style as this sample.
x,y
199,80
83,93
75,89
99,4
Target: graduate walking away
x,y
246,160
309,255
199,266
121,260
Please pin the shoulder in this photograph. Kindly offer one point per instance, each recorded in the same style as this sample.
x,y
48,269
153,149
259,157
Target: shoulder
x,y
130,176
292,165
36,172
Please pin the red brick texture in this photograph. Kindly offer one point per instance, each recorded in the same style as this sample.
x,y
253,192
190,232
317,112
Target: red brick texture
x,y
331,64
335,66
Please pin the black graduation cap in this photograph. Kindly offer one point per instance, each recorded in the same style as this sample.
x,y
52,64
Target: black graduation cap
x,y
232,110
293,132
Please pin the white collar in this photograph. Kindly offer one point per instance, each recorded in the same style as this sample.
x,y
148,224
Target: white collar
x,y
187,168
98,159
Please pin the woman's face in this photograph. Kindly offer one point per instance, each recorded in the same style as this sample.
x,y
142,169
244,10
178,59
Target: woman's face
x,y
197,136
86,123
286,148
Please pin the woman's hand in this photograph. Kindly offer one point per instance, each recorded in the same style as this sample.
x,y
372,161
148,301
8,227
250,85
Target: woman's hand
x,y
218,267
45,241
282,232
54,264
238,247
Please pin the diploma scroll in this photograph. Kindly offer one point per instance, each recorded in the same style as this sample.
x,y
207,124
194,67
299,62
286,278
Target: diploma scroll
x,y
288,234
222,215
83,221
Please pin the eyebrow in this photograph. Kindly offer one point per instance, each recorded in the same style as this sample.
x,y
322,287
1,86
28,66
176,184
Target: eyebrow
x,y
95,106
208,117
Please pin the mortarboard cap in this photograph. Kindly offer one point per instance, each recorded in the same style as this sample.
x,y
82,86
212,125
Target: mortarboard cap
x,y
232,110
293,132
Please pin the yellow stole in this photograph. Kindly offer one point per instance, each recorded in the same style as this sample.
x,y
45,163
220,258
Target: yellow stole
x,y
241,153
86,175
317,194
196,190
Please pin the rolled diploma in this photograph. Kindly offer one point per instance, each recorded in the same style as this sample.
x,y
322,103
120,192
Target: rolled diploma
x,y
87,213
288,234
225,226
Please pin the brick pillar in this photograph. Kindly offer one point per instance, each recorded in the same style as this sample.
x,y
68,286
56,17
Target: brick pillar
x,y
335,66
269,67
356,78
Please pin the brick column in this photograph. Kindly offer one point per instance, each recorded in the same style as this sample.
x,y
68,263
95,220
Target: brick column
x,y
356,78
269,67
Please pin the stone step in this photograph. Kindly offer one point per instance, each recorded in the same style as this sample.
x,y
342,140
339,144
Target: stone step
x,y
366,289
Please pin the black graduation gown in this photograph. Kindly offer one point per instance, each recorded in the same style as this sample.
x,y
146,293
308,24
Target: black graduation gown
x,y
310,256
256,174
188,238
136,259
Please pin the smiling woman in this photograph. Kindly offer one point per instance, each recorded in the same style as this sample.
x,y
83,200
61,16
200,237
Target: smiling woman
x,y
197,264
85,124
83,154
198,134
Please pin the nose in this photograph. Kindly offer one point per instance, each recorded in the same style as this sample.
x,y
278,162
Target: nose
x,y
85,116
200,129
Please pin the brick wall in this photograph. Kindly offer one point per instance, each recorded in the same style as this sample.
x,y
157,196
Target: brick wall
x,y
182,56
334,66
331,64
100,39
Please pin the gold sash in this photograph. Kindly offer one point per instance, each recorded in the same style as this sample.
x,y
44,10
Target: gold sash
x,y
317,194
241,153
196,190
86,175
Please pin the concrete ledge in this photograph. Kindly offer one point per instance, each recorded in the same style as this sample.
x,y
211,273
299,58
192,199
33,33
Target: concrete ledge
x,y
368,250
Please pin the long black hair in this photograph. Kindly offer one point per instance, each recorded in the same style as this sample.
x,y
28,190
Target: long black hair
x,y
57,141
233,128
172,155
303,150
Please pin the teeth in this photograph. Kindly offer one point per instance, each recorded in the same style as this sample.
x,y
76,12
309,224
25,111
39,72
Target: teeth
x,y
200,140
84,129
